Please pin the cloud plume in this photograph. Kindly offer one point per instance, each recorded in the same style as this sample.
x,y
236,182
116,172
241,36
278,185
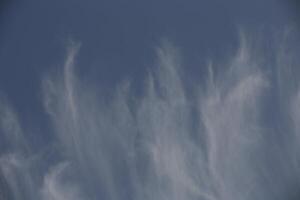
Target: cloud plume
x,y
165,144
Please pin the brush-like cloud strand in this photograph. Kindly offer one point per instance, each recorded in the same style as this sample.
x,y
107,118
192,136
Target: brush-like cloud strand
x,y
162,145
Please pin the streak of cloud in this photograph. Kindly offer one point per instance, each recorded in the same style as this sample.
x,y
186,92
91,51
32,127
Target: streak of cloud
x,y
162,145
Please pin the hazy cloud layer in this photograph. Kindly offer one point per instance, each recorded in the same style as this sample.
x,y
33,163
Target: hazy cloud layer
x,y
171,142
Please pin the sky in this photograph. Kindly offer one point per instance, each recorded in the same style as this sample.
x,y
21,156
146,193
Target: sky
x,y
118,38
160,99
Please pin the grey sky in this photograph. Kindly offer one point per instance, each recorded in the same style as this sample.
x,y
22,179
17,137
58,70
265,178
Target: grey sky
x,y
118,38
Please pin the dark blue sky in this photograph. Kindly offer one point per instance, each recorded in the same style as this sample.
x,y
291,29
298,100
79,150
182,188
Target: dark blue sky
x,y
118,38
236,134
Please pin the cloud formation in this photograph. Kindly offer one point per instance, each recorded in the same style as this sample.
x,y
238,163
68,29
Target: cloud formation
x,y
165,144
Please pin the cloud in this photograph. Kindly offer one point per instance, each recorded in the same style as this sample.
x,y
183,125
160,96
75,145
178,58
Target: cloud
x,y
165,144
149,150
55,189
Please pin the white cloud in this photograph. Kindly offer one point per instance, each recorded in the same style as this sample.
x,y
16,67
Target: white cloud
x,y
162,145
54,187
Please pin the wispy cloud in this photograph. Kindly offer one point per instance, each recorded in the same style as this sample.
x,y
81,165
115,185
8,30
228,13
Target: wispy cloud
x,y
161,145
